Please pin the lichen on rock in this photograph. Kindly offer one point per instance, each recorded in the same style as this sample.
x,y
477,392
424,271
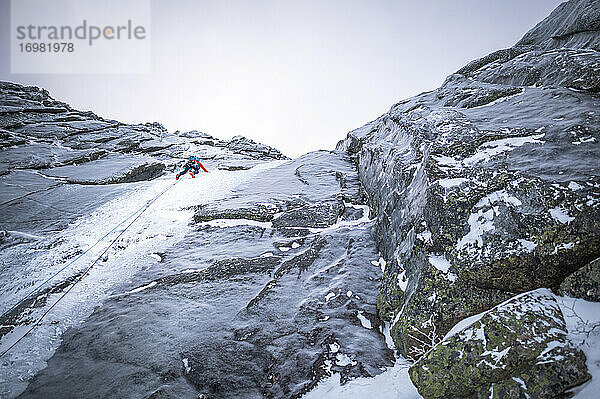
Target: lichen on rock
x,y
517,349
493,177
584,283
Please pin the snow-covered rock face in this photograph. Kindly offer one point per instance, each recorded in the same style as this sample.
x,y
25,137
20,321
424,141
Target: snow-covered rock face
x,y
263,277
517,349
50,151
490,185
258,279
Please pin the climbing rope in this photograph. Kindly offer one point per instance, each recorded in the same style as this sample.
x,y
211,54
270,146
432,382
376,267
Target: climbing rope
x,y
39,287
139,213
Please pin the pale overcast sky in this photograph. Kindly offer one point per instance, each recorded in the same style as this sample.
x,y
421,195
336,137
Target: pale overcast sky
x,y
297,75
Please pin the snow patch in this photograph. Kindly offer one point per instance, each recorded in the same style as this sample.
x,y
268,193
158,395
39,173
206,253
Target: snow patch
x,y
498,196
346,223
152,284
341,359
581,316
380,263
501,99
575,186
497,355
495,147
561,215
482,221
447,183
443,160
479,223
440,262
334,347
224,223
194,270
385,330
424,236
186,366
156,256
394,383
366,323
402,281
521,382
528,245
464,324
568,245
23,235
584,140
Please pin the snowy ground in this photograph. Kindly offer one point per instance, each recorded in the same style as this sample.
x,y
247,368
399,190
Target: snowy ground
x,y
394,383
166,220
583,323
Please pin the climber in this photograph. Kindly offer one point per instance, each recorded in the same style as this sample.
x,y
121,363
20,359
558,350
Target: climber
x,y
193,165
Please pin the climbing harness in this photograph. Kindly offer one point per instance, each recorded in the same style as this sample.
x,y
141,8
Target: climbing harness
x,y
138,212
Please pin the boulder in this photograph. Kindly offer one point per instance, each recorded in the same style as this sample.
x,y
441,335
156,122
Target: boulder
x,y
518,349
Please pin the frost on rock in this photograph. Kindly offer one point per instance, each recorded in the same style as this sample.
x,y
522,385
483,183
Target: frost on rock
x,y
236,283
517,349
496,171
